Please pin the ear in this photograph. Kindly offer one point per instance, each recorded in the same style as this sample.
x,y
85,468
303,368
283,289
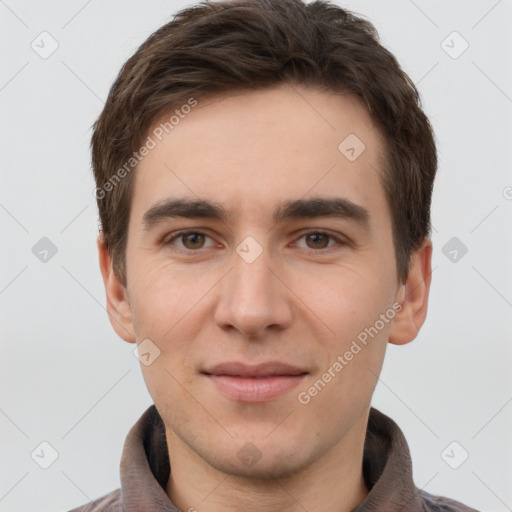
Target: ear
x,y
413,295
118,304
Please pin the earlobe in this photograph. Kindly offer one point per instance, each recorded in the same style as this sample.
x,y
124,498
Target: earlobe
x,y
118,305
413,295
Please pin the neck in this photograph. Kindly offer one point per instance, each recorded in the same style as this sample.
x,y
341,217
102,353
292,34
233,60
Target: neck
x,y
334,481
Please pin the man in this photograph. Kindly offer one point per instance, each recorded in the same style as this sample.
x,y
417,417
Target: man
x,y
264,177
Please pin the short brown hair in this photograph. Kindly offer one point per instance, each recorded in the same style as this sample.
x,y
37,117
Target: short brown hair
x,y
216,47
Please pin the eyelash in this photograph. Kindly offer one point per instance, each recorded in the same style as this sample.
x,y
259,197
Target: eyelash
x,y
338,240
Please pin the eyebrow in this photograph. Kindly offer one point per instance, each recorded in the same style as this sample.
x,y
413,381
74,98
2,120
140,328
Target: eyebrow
x,y
335,207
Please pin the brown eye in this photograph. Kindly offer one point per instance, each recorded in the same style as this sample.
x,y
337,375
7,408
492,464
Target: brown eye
x,y
188,241
318,240
193,240
321,241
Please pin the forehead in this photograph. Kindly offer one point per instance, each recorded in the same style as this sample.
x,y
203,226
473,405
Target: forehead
x,y
250,151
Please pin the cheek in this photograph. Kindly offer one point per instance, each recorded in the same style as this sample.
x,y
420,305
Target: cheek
x,y
346,299
350,302
164,295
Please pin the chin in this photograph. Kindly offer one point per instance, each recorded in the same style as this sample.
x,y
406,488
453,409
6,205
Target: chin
x,y
265,469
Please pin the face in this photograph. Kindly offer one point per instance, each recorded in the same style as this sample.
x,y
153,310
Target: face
x,y
267,310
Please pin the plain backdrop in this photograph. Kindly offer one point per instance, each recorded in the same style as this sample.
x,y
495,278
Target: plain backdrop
x,y
69,381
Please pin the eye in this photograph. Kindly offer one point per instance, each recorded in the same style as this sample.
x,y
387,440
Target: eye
x,y
320,240
191,240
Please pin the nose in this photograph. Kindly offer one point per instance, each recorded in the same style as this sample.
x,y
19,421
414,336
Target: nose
x,y
254,297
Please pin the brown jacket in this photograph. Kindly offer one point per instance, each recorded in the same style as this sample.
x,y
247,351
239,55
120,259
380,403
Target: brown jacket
x,y
387,470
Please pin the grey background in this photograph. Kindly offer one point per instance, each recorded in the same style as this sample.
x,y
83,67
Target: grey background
x,y
67,379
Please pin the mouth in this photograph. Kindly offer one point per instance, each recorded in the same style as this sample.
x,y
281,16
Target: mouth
x,y
254,383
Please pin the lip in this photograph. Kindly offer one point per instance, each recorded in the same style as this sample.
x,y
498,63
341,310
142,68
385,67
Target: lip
x,y
254,383
268,369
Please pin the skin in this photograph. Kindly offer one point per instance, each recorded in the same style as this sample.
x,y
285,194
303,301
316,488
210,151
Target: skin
x,y
250,151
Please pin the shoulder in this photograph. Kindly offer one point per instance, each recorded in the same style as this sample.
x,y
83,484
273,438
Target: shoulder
x,y
110,502
433,503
